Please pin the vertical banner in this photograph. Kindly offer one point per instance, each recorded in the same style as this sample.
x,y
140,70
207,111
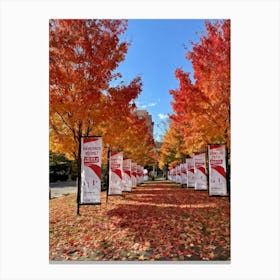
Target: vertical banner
x,y
184,178
142,176
178,174
126,180
133,174
200,171
174,175
190,172
217,170
145,174
91,157
138,174
115,173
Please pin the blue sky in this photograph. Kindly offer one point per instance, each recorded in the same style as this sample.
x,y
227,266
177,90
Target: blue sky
x,y
157,49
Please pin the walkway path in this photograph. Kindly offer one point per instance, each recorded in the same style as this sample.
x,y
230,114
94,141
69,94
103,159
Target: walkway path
x,y
157,221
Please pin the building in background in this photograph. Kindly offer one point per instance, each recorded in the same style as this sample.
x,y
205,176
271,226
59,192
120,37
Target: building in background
x,y
143,114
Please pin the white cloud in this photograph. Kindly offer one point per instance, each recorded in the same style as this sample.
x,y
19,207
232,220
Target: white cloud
x,y
153,104
145,106
162,116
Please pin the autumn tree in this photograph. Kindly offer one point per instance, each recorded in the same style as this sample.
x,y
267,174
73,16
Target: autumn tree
x,y
140,145
173,147
128,133
123,128
202,105
211,63
84,55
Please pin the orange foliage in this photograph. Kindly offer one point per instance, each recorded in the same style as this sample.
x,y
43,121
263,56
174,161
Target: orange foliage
x,y
84,55
202,108
172,147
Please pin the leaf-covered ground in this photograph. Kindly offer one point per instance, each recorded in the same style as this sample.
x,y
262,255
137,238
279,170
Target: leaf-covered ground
x,y
158,221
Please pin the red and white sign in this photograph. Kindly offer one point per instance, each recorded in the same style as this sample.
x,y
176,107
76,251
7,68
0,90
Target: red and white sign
x,y
115,173
178,174
126,180
200,171
217,170
138,174
91,157
145,175
184,178
170,175
173,175
142,174
190,172
134,174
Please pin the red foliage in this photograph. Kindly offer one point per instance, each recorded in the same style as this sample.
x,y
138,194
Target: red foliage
x,y
155,222
202,105
85,96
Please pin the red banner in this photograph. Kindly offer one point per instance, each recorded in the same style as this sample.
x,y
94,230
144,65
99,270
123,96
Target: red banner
x,y
91,157
217,170
115,173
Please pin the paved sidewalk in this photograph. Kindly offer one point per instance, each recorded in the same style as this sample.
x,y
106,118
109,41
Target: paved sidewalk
x,y
62,188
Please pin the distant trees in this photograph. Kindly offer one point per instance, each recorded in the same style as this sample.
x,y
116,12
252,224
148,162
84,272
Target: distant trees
x,y
61,168
201,108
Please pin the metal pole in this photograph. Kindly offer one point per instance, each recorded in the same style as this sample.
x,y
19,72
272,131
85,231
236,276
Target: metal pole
x,y
108,171
227,171
79,177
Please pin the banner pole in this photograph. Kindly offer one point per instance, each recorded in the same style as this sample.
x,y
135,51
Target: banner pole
x,y
208,168
79,176
227,172
108,172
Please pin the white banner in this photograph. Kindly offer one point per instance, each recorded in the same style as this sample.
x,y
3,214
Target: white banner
x,y
217,170
91,157
145,174
190,172
138,174
178,177
133,174
142,174
184,178
115,173
169,175
200,171
173,175
126,180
